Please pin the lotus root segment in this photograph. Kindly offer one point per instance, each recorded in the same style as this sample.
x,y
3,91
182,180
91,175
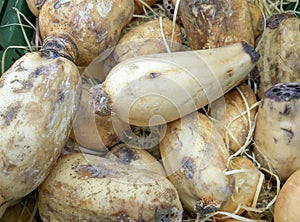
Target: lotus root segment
x,y
277,135
91,26
39,99
280,53
216,23
195,159
92,188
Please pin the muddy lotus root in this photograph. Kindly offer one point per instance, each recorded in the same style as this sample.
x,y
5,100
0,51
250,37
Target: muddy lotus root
x,y
215,23
195,157
280,53
39,99
89,27
91,188
277,135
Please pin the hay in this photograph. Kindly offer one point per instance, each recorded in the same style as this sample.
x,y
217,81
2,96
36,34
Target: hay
x,y
163,35
271,7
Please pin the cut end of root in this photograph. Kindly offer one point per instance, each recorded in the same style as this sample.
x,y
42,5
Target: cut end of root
x,y
284,92
100,101
254,55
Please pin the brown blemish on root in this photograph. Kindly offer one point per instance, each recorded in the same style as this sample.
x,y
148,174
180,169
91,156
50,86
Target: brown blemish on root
x,y
286,111
38,72
289,133
25,86
61,97
274,21
89,171
10,114
126,155
100,100
229,73
207,206
19,67
169,195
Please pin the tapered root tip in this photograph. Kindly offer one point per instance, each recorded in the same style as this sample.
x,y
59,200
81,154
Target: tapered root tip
x,y
254,55
100,101
284,92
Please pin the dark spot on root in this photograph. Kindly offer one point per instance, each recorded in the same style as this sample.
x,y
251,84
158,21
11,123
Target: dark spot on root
x,y
125,154
89,171
275,140
25,86
188,167
286,111
284,92
229,73
39,71
153,75
10,114
276,19
61,98
289,133
19,67
254,55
